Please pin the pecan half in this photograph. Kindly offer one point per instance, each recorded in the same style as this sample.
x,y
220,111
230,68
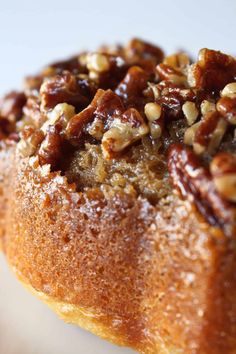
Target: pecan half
x,y
193,181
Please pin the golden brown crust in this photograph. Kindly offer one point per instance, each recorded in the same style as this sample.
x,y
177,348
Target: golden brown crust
x,y
6,157
156,278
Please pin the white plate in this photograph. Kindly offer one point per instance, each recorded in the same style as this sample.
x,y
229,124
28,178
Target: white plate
x,y
27,326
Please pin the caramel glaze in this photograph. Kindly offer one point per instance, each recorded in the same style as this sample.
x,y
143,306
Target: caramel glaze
x,y
159,278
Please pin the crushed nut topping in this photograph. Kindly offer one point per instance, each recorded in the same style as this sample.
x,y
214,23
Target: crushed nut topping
x,y
132,98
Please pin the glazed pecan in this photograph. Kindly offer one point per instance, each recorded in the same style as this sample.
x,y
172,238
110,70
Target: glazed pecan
x,y
32,114
172,97
106,119
209,133
71,64
6,128
11,106
123,131
193,181
30,140
51,147
227,108
64,88
32,83
144,55
104,106
167,72
179,60
77,123
223,170
104,69
212,71
107,104
131,87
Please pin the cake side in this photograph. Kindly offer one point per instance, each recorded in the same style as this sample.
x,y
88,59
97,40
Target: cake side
x,y
148,276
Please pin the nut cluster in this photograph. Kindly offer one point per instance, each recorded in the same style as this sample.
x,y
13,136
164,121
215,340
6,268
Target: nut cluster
x,y
116,96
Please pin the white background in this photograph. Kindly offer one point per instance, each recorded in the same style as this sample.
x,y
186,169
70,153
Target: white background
x,y
33,33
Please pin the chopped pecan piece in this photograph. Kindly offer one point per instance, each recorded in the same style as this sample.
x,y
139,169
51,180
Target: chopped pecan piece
x,y
223,170
98,62
172,74
131,87
63,88
6,128
33,83
137,49
171,98
155,117
107,105
152,111
227,108
178,60
212,71
50,149
71,64
189,134
207,106
123,132
11,106
190,111
77,123
209,133
104,69
32,114
30,141
229,90
104,106
62,113
193,181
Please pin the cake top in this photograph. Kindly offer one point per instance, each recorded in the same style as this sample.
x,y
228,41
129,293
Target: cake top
x,y
128,117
